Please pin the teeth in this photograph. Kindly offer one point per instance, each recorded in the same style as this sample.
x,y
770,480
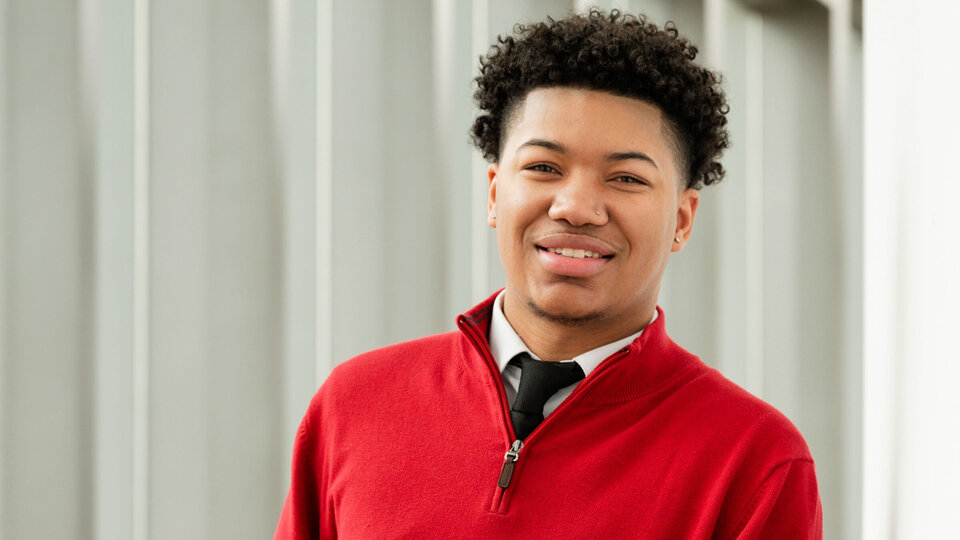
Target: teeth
x,y
576,253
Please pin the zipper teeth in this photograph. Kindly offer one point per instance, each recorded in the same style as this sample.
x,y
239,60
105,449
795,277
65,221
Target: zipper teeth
x,y
505,405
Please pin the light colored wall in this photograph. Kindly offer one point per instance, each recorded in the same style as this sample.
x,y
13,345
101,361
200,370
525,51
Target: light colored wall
x,y
47,270
911,262
205,205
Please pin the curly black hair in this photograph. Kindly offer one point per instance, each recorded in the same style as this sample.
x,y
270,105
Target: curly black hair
x,y
617,53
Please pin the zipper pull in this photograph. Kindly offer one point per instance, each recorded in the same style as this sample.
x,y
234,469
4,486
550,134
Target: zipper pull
x,y
509,462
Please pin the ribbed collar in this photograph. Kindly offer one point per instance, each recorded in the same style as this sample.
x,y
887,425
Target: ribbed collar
x,y
649,362
505,343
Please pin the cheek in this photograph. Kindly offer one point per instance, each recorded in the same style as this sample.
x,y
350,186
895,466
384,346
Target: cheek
x,y
521,209
665,222
650,234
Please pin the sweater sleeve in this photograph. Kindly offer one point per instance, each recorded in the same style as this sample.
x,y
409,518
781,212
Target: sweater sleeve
x,y
303,517
786,506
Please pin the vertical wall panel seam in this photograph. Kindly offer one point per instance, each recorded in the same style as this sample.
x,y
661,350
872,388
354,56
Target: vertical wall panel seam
x,y
849,211
141,269
755,206
443,57
479,236
323,243
3,254
87,139
715,58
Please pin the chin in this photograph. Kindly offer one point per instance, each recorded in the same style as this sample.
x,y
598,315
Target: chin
x,y
564,315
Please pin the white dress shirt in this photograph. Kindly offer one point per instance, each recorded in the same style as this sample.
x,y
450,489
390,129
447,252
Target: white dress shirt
x,y
505,344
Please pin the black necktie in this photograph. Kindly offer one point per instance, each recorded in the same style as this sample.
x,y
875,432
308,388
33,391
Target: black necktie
x,y
538,381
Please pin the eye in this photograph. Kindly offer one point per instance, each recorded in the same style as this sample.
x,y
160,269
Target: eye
x,y
541,167
626,179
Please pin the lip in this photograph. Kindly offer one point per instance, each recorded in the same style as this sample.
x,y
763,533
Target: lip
x,y
569,266
575,241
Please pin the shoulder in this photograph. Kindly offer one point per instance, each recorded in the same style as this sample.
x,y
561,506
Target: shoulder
x,y
713,410
749,420
392,369
758,455
772,490
698,404
416,354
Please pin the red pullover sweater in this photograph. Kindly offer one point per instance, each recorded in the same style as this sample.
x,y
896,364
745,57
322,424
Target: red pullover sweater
x,y
412,441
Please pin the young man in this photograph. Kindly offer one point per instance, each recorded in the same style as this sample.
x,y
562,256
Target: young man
x,y
561,409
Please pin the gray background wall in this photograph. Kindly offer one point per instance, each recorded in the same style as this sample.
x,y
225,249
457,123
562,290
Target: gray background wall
x,y
205,205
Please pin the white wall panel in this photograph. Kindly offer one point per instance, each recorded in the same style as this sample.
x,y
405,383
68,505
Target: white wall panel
x,y
243,283
359,168
454,64
388,194
846,105
181,374
212,456
301,100
738,269
912,430
414,218
46,426
110,69
112,62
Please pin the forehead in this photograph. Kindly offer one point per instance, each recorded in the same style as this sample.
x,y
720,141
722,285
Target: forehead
x,y
589,121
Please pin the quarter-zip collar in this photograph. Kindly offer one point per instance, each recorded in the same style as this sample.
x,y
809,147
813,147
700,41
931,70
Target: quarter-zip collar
x,y
647,364
505,343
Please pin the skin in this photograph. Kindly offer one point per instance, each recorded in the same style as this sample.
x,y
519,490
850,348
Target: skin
x,y
567,153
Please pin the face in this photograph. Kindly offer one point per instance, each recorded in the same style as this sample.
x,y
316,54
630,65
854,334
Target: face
x,y
587,201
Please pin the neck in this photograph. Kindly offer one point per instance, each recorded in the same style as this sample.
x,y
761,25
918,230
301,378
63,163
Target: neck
x,y
554,341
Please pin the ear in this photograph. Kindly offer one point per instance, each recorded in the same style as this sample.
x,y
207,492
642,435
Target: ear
x,y
686,210
492,196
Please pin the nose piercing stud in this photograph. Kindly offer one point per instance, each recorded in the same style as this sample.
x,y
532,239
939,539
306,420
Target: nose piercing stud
x,y
597,211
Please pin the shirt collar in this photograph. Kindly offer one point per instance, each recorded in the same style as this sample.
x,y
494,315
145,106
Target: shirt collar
x,y
505,343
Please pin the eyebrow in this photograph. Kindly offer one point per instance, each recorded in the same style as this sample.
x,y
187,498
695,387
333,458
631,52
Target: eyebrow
x,y
616,156
550,145
621,156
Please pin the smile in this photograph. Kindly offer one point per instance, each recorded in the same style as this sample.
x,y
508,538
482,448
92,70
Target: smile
x,y
575,253
572,262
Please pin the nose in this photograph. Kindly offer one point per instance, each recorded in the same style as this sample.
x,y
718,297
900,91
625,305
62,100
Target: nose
x,y
578,201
